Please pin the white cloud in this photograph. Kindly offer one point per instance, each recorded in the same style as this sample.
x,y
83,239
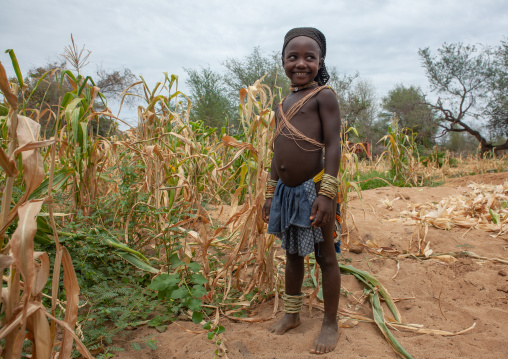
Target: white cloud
x,y
380,39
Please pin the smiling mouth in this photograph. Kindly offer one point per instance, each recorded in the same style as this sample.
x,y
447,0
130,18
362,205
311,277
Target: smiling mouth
x,y
300,73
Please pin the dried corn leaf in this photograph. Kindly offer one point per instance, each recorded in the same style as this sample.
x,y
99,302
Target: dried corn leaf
x,y
71,311
39,326
41,273
6,89
8,165
33,169
480,208
22,244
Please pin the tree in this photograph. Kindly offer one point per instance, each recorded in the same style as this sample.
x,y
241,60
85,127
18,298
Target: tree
x,y
44,87
41,84
244,72
357,102
408,103
113,83
470,83
209,97
497,109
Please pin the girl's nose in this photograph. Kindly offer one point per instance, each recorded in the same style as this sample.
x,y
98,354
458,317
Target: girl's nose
x,y
300,63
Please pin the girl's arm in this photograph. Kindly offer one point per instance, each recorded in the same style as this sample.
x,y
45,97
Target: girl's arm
x,y
268,202
273,176
328,107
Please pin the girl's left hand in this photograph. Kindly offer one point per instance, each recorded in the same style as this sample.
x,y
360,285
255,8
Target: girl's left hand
x,y
322,211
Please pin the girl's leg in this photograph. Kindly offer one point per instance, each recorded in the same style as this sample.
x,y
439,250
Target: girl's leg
x,y
327,260
294,279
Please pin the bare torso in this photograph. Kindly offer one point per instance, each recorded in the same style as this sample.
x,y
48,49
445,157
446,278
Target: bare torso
x,y
297,161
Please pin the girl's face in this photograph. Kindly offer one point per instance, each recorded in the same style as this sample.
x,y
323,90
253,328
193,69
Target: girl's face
x,y
301,60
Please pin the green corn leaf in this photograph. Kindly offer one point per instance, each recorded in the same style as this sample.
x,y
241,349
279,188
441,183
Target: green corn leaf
x,y
84,134
71,107
15,65
59,181
68,97
75,125
494,216
373,282
380,321
80,89
112,241
135,261
69,74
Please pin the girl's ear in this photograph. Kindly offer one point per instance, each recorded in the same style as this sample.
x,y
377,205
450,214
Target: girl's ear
x,y
282,58
321,61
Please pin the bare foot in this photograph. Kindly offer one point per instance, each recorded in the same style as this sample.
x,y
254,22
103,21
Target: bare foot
x,y
288,321
327,339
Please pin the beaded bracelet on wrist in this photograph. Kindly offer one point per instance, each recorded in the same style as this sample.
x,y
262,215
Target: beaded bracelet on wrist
x,y
270,188
271,182
329,186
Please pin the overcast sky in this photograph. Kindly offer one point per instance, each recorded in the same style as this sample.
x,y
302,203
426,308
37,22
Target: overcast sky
x,y
379,39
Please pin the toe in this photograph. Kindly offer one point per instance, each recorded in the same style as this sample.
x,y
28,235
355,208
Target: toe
x,y
319,349
314,349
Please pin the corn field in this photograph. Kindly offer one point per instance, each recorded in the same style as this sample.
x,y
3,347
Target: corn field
x,y
171,188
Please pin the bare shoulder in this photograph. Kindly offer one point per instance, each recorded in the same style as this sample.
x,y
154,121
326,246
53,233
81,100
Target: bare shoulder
x,y
327,97
327,101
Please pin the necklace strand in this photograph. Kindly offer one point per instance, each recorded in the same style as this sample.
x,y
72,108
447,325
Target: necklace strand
x,y
296,88
293,133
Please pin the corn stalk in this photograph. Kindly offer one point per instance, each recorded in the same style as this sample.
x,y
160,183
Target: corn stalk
x,y
252,257
28,271
403,153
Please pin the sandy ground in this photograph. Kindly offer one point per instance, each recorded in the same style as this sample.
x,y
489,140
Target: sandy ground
x,y
437,295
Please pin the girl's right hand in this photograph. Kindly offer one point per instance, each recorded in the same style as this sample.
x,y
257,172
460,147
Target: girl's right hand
x,y
266,210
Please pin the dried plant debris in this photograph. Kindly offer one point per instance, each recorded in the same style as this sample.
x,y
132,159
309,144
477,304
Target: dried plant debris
x,y
484,207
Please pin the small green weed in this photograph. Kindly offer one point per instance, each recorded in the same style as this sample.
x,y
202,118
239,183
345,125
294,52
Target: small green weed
x,y
183,289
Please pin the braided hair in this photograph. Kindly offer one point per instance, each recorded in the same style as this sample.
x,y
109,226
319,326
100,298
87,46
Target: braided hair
x,y
316,35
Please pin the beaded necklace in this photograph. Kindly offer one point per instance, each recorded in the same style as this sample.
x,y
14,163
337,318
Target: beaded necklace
x,y
296,88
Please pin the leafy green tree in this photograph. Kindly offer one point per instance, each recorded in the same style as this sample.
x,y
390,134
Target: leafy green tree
x,y
209,96
408,103
244,72
357,102
497,108
472,88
